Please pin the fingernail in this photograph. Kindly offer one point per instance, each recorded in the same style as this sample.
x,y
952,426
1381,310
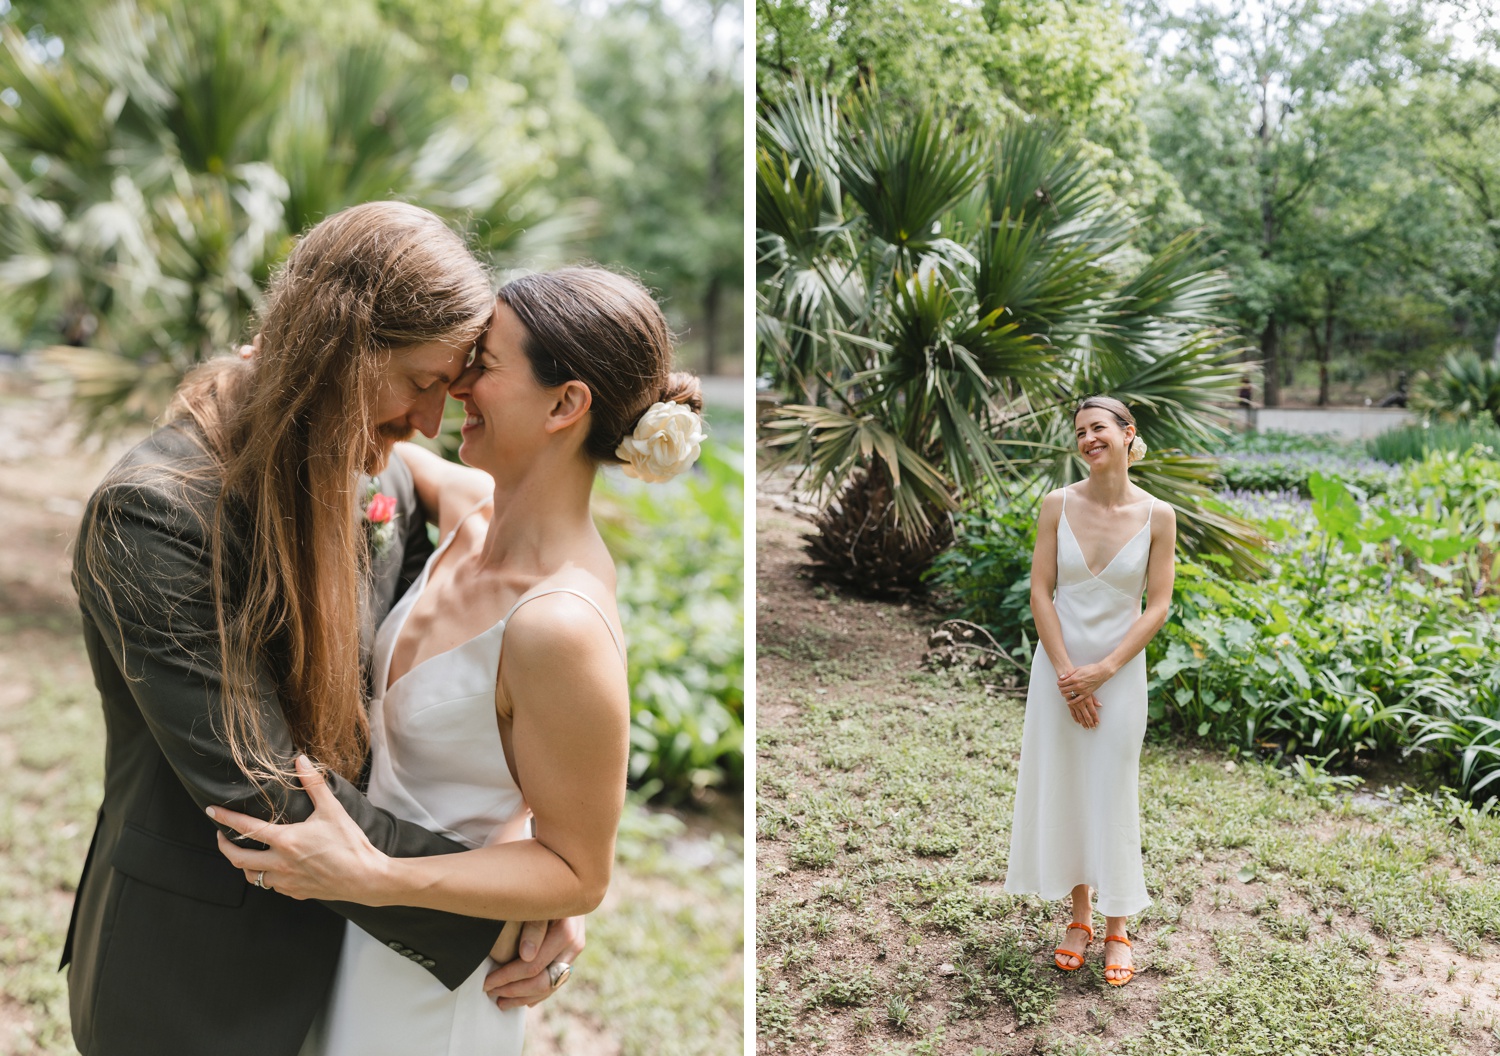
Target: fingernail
x,y
528,950
303,760
210,812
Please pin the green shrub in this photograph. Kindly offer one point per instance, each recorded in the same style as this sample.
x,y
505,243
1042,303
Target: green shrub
x,y
1468,390
1375,634
1290,470
680,553
1412,443
985,576
1276,442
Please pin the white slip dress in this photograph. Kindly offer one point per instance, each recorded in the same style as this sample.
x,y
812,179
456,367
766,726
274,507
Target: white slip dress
x,y
436,760
1077,809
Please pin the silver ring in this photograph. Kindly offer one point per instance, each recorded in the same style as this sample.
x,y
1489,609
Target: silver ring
x,y
260,880
558,972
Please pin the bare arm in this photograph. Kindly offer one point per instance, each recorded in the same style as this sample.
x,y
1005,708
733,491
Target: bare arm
x,y
570,737
1044,583
445,489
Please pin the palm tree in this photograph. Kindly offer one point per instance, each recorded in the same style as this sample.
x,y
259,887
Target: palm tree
x,y
937,300
151,179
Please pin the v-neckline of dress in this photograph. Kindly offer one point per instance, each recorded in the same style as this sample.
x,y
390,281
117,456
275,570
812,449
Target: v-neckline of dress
x,y
1085,557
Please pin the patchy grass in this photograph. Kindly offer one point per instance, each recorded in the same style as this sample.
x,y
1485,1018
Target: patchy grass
x,y
1288,916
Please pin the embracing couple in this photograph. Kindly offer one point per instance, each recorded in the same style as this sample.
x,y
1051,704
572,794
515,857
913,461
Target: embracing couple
x,y
271,631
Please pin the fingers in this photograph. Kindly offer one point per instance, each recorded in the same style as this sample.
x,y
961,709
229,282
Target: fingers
x,y
532,934
519,979
520,982
315,784
244,824
243,858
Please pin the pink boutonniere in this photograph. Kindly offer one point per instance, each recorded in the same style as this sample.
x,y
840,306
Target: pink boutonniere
x,y
380,518
381,509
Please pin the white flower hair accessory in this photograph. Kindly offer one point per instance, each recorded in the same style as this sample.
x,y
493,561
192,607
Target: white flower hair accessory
x,y
666,440
1137,449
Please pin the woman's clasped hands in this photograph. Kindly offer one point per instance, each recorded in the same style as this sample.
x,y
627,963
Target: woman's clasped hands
x,y
1079,686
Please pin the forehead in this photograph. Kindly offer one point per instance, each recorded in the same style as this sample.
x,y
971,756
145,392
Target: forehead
x,y
506,330
1091,416
435,358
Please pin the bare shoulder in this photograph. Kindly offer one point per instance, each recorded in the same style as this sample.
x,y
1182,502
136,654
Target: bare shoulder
x,y
1052,504
1163,519
558,628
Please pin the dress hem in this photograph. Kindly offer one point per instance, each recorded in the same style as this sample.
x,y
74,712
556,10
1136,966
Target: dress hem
x,y
1099,906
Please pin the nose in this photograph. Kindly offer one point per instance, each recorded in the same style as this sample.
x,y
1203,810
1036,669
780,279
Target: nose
x,y
460,386
427,413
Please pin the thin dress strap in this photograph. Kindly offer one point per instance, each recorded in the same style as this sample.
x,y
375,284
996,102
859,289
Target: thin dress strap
x,y
577,594
471,511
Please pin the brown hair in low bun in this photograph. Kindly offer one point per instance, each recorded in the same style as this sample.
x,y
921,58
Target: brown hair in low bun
x,y
591,325
681,388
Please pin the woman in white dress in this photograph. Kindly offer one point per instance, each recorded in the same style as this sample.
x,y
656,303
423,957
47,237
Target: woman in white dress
x,y
1077,819
481,743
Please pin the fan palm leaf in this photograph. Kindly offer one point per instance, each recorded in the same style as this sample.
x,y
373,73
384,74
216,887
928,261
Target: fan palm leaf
x,y
989,300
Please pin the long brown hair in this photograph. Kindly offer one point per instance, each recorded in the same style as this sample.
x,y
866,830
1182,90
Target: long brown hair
x,y
290,431
607,331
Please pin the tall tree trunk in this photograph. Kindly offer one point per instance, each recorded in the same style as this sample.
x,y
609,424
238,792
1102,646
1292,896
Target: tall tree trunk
x,y
1495,349
1270,365
711,298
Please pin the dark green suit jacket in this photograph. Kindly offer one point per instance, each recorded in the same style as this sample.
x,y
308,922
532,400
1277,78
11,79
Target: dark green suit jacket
x,y
170,952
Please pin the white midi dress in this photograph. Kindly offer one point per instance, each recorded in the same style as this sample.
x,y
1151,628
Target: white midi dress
x,y
1077,809
437,760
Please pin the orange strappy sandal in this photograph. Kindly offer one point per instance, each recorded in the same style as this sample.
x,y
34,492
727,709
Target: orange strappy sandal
x,y
1060,953
1119,967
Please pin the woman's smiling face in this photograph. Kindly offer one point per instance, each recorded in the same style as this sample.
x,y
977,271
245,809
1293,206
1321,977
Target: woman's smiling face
x,y
1100,436
504,405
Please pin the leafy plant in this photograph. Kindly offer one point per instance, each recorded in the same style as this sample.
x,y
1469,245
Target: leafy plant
x,y
152,177
680,554
1412,443
1290,471
1467,390
1374,632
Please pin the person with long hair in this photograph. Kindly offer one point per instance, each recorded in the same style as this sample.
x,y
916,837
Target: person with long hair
x,y
500,713
229,569
1076,827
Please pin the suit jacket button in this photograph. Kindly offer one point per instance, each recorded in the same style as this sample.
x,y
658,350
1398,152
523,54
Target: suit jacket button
x,y
429,964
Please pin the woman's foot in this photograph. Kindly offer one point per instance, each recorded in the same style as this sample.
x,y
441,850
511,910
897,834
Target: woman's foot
x,y
1069,955
1118,963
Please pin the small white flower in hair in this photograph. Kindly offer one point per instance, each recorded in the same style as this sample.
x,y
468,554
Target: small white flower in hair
x,y
1137,449
666,440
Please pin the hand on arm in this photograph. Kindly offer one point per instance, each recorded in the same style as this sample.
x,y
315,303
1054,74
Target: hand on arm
x,y
329,857
570,736
147,590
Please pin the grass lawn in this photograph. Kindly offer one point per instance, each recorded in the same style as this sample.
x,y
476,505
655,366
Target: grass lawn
x,y
663,970
1287,917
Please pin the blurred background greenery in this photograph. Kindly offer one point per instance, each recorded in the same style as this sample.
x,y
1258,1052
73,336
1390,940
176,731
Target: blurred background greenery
x,y
158,156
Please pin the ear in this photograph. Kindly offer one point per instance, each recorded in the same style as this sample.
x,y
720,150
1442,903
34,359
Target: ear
x,y
571,401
